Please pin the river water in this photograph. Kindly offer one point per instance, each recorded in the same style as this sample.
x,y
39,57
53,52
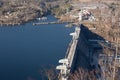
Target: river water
x,y
25,48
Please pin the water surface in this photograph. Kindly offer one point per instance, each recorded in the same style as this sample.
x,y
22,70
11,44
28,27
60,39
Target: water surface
x,y
25,48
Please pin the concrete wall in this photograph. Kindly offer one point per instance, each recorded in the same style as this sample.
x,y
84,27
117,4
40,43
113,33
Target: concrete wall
x,y
81,57
85,53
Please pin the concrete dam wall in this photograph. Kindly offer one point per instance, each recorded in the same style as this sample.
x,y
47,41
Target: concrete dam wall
x,y
81,52
85,50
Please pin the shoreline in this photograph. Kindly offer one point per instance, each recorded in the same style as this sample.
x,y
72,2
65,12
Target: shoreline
x,y
14,24
20,12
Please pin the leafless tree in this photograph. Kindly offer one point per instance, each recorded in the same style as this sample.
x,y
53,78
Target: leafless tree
x,y
82,74
48,73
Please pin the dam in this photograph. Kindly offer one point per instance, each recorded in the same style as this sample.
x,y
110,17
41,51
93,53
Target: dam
x,y
82,52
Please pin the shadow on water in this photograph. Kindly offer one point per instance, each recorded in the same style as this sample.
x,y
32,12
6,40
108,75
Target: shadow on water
x,y
88,49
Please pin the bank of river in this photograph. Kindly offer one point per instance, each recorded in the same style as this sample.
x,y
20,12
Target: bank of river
x,y
25,48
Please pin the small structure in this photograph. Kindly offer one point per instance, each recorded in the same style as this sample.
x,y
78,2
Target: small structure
x,y
42,18
85,15
63,68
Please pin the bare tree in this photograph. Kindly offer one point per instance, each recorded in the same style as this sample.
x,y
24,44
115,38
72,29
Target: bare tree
x,y
82,74
48,73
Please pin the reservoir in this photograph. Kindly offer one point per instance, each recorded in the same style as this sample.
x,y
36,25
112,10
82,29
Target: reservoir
x,y
25,48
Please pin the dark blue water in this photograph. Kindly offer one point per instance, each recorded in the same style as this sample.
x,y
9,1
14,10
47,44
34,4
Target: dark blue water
x,y
25,48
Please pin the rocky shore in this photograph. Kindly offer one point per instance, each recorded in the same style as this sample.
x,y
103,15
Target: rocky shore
x,y
21,11
12,13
